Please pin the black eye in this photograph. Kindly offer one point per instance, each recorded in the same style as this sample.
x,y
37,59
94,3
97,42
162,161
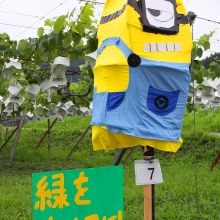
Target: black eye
x,y
159,16
154,12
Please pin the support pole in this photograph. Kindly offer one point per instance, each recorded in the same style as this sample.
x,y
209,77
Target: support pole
x,y
81,138
45,134
20,125
48,123
129,155
149,204
8,139
118,156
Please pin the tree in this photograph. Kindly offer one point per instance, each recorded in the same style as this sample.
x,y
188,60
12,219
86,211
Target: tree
x,y
212,58
72,35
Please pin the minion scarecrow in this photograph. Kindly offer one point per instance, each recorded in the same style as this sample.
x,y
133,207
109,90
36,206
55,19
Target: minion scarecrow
x,y
141,76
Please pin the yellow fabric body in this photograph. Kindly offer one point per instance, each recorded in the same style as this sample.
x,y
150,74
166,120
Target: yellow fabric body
x,y
104,140
139,38
111,72
111,69
113,76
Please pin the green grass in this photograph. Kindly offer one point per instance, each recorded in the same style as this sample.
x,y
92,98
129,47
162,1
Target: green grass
x,y
175,198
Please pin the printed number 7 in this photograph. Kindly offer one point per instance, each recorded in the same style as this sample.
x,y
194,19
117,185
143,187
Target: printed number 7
x,y
152,172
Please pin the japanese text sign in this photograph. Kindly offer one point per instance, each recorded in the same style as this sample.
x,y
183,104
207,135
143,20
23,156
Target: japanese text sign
x,y
82,194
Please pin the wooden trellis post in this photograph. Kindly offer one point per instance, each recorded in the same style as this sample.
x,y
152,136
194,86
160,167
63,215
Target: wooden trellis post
x,y
149,207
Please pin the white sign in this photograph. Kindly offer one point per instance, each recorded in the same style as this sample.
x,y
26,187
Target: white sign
x,y
147,173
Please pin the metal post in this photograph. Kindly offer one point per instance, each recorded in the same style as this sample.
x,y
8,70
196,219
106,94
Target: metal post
x,y
118,156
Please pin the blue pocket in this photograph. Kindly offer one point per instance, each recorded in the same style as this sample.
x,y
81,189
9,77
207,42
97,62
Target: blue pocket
x,y
162,102
114,100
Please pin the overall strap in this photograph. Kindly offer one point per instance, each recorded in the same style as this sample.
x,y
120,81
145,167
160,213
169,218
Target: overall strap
x,y
118,42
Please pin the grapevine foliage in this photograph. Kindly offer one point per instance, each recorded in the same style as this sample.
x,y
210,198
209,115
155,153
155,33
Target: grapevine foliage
x,y
72,35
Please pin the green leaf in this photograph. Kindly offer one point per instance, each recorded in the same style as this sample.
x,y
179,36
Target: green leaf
x,y
78,51
4,84
22,44
80,28
215,68
92,44
5,36
59,24
74,30
73,56
32,40
197,64
48,23
58,40
40,32
213,64
195,43
71,24
22,78
86,12
15,51
199,76
76,38
72,12
89,26
52,40
206,45
197,53
37,58
45,41
4,46
67,41
40,46
1,67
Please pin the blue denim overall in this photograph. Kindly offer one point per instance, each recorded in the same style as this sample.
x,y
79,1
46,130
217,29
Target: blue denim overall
x,y
153,105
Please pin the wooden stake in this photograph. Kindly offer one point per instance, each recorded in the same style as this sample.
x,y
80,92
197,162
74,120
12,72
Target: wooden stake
x,y
149,209
11,155
48,141
148,202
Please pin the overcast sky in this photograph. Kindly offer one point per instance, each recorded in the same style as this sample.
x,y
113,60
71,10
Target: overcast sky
x,y
17,15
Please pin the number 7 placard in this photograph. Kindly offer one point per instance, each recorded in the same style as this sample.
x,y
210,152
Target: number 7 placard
x,y
147,173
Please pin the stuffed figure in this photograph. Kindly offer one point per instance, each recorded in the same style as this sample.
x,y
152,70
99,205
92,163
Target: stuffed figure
x,y
141,76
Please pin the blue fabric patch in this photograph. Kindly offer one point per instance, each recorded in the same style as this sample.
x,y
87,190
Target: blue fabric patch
x,y
99,103
114,100
162,102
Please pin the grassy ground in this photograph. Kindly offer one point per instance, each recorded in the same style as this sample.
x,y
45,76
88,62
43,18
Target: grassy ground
x,y
183,195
